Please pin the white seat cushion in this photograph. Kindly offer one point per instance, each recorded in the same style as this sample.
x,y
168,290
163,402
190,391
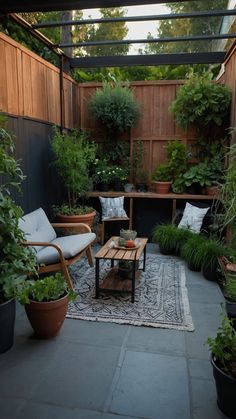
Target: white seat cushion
x,y
37,228
70,246
192,217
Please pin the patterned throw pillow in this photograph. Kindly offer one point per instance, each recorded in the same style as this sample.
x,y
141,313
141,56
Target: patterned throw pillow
x,y
192,217
112,207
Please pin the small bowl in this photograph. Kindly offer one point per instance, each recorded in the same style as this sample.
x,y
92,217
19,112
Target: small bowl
x,y
128,234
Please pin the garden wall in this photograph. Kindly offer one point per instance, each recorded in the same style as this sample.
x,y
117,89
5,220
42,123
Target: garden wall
x,y
156,125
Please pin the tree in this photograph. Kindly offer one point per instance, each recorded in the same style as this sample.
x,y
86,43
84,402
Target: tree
x,y
190,26
109,31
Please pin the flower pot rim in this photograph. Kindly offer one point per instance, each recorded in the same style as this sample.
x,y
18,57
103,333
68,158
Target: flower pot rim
x,y
214,364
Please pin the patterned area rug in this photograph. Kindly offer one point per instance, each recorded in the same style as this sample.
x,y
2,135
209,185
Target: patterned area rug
x,y
161,298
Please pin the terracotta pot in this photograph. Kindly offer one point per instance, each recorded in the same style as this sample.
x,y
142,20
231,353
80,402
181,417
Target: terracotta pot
x,y
86,218
162,187
46,318
212,190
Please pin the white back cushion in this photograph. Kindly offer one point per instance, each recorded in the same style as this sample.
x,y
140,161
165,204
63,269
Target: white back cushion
x,y
192,217
112,207
37,228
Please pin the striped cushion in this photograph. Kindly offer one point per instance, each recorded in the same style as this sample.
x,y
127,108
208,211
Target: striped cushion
x,y
112,207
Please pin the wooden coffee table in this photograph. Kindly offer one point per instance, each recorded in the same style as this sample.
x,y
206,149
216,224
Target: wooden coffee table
x,y
112,281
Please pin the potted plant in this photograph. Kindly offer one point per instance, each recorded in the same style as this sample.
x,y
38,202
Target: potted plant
x,y
74,157
192,251
162,178
116,107
230,296
223,360
15,259
170,238
141,181
177,157
46,301
196,101
118,177
212,249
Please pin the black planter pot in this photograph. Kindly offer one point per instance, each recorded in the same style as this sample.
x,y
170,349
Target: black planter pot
x,y
193,267
141,187
194,189
103,186
7,324
226,391
210,272
117,185
165,250
230,307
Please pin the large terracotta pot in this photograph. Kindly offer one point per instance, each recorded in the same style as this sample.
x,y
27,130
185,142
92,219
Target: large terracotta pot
x,y
46,318
86,218
212,190
162,187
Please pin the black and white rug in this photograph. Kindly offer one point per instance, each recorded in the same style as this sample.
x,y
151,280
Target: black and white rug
x,y
161,298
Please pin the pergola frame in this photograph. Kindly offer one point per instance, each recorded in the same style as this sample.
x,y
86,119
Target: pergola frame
x,y
13,6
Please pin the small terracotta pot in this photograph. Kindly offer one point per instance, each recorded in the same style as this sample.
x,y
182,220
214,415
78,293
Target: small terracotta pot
x,y
162,187
212,190
46,318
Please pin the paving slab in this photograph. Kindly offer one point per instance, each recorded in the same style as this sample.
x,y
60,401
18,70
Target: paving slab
x,y
152,386
204,400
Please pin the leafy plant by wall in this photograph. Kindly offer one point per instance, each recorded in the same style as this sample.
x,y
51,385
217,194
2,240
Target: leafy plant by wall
x,y
115,106
201,102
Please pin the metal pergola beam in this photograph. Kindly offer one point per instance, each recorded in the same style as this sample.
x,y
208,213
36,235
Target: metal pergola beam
x,y
149,41
208,13
146,60
15,6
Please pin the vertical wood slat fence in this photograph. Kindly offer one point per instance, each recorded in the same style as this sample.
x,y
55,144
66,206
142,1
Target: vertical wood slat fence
x,y
156,125
30,86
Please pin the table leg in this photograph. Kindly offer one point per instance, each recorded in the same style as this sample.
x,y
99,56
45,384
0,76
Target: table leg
x,y
144,259
112,263
133,280
97,278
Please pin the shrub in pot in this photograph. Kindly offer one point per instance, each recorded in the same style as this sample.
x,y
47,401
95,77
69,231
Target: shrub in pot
x,y
213,249
15,259
193,251
74,157
162,178
223,359
46,301
115,106
170,238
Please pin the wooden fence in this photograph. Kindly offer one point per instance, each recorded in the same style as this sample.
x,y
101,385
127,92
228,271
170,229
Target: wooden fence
x,y
30,86
156,125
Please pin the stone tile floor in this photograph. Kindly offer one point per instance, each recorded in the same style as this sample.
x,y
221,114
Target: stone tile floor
x,y
107,371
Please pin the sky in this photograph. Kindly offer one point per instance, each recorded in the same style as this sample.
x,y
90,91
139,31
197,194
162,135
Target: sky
x,y
137,30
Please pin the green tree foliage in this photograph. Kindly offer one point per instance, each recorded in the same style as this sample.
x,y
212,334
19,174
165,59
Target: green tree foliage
x,y
194,26
108,31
